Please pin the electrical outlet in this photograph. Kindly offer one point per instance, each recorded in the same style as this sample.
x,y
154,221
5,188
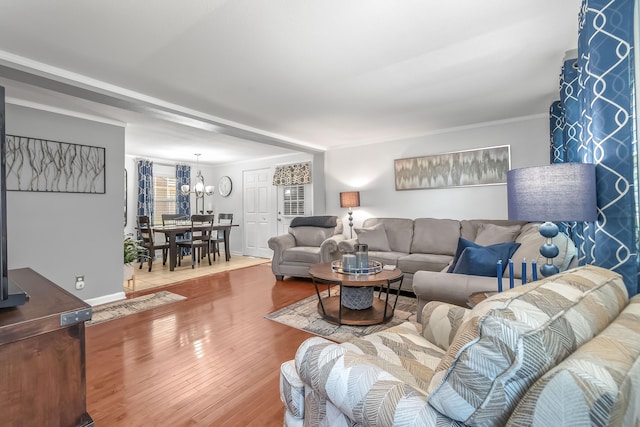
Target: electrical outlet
x,y
79,282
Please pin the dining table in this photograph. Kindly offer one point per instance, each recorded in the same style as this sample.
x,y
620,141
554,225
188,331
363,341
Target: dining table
x,y
172,231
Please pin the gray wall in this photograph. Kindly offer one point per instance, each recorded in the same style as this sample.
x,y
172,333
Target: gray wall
x,y
61,235
369,169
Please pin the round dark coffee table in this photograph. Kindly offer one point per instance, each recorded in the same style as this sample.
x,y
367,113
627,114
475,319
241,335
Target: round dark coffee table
x,y
332,309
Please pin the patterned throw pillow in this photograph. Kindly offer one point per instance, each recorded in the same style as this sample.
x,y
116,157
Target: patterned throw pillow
x,y
596,385
512,339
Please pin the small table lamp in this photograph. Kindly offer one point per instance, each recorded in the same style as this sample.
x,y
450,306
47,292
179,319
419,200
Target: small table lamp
x,y
350,199
557,192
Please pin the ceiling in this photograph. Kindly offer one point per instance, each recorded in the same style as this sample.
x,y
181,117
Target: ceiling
x,y
241,79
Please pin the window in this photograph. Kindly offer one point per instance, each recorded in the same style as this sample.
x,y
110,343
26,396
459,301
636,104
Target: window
x,y
164,192
294,200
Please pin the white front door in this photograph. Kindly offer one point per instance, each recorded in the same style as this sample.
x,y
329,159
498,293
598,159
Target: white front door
x,y
293,201
258,214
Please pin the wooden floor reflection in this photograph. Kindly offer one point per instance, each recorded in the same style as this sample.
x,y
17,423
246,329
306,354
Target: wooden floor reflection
x,y
210,360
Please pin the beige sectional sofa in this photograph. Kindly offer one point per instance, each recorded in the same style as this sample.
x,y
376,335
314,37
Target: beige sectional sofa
x,y
563,351
423,246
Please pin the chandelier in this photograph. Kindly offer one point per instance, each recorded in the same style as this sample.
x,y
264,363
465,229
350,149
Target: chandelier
x,y
200,190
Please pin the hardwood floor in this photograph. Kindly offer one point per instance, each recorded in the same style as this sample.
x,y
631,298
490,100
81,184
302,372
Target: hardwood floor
x,y
210,360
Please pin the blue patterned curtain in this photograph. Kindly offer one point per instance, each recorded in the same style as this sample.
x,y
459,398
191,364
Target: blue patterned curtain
x,y
566,132
183,203
599,108
145,188
556,119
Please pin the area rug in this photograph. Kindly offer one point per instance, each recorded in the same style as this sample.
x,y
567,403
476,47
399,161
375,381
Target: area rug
x,y
114,310
304,315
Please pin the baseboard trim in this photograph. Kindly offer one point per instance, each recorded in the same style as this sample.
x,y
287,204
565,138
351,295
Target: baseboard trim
x,y
106,298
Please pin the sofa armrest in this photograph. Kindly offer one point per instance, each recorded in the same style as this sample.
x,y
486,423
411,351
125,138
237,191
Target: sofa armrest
x,y
347,245
450,287
329,248
360,387
282,242
278,245
440,322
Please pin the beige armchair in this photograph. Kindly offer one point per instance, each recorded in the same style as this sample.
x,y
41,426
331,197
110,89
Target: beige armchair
x,y
310,240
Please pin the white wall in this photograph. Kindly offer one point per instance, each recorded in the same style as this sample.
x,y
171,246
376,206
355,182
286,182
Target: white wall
x,y
369,169
62,235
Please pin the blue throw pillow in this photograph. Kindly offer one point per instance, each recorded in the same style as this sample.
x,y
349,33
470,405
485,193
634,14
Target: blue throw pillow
x,y
481,260
462,245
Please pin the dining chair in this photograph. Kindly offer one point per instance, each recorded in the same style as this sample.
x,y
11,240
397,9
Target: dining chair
x,y
148,242
201,231
175,219
223,218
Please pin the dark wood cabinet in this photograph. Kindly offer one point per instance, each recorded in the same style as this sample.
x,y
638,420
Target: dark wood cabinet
x,y
42,356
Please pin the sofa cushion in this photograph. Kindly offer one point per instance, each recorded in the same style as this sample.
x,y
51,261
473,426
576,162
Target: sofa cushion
x,y
399,232
385,258
490,234
311,236
415,262
403,350
305,254
500,351
435,236
502,251
598,383
375,237
440,322
376,380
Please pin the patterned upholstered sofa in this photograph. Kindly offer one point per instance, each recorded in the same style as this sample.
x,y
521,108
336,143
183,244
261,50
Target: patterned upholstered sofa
x,y
310,240
561,351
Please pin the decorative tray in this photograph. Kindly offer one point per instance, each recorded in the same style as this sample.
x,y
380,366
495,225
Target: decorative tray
x,y
374,267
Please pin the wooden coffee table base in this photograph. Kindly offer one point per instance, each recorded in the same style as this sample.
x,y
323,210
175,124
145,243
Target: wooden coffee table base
x,y
369,316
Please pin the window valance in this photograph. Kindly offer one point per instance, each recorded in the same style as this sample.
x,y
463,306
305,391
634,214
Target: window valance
x,y
293,174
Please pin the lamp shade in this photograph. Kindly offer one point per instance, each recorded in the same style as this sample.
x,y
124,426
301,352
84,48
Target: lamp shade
x,y
558,192
350,199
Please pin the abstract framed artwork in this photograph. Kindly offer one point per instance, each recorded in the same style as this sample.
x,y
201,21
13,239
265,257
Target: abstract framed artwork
x,y
41,165
484,166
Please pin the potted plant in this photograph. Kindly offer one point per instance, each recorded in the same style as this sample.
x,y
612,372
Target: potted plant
x,y
132,253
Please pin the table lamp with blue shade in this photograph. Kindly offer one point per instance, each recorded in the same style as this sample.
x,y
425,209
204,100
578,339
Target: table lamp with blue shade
x,y
552,193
